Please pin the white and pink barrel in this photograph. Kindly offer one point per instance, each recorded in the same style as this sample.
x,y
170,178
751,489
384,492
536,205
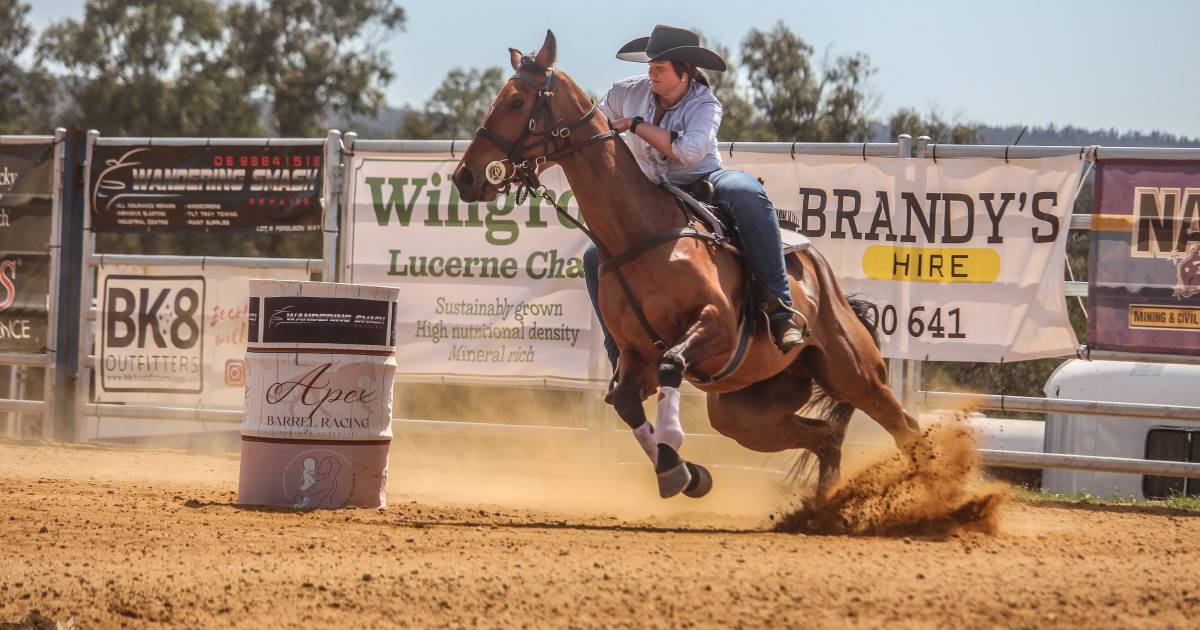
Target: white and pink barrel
x,y
320,363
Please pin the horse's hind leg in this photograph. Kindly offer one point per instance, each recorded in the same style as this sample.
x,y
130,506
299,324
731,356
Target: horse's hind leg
x,y
861,380
762,418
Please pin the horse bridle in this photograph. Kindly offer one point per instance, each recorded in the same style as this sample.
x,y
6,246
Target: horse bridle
x,y
522,169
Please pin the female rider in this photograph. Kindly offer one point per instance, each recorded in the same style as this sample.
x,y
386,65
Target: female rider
x,y
672,116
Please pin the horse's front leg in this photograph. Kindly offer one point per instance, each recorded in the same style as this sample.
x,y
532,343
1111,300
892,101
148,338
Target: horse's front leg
x,y
627,396
676,475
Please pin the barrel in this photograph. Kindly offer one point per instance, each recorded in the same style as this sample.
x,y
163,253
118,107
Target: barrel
x,y
320,364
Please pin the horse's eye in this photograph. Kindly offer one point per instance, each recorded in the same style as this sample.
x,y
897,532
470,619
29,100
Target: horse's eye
x,y
518,103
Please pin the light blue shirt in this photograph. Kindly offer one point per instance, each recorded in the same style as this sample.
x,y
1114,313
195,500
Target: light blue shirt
x,y
695,118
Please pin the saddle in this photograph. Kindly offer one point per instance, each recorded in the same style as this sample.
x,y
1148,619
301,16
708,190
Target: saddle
x,y
697,200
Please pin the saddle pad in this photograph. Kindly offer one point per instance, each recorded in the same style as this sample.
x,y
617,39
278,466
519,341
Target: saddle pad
x,y
793,241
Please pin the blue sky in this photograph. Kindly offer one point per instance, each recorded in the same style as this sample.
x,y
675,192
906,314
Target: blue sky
x,y
1097,63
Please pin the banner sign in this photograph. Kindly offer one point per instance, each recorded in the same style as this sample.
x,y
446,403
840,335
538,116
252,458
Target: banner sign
x,y
961,259
267,188
175,335
490,289
26,191
1144,264
24,285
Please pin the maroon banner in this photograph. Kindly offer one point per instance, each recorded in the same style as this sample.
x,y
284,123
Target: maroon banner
x,y
1144,263
273,188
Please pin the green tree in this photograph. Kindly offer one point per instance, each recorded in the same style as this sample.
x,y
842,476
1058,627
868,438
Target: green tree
x,y
799,102
457,107
844,106
148,67
942,131
25,94
205,68
309,57
738,120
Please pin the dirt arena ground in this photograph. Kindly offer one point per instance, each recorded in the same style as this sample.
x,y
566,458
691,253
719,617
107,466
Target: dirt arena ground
x,y
96,536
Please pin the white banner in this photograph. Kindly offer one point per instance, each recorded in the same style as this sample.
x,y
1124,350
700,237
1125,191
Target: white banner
x,y
491,290
962,259
175,335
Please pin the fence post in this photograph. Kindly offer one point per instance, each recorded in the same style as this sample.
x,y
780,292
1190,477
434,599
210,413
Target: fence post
x,y
346,179
913,369
331,186
50,408
897,368
83,378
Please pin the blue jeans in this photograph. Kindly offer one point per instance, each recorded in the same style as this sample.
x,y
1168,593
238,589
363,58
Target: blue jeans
x,y
740,199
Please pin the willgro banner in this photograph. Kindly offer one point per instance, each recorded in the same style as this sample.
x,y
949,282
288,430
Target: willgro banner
x,y
491,290
961,259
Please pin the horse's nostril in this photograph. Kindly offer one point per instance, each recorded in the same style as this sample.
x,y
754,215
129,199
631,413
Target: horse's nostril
x,y
464,176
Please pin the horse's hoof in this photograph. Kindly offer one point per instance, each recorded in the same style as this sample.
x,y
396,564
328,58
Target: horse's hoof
x,y
673,474
701,481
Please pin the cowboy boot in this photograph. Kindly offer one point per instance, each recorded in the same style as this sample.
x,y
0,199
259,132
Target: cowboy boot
x,y
786,334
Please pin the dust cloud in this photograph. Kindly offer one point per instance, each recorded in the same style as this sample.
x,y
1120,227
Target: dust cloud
x,y
932,488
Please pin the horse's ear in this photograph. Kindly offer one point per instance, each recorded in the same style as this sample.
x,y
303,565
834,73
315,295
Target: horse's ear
x,y
514,57
549,52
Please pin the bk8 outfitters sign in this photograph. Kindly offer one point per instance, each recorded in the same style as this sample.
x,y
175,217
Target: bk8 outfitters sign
x,y
151,339
177,336
1144,265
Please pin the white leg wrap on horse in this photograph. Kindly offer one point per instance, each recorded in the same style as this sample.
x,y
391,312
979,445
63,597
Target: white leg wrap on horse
x,y
645,438
669,431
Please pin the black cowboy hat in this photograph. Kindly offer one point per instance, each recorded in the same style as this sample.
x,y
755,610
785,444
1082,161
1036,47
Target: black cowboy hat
x,y
671,43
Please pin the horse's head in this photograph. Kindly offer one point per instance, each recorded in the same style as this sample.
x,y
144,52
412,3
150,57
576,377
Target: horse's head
x,y
528,126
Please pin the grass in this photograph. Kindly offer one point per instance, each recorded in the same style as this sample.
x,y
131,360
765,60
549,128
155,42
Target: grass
x,y
1175,502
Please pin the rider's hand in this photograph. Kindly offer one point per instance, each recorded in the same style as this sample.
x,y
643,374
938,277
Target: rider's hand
x,y
621,125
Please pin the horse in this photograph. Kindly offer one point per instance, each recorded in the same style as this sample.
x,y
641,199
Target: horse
x,y
675,298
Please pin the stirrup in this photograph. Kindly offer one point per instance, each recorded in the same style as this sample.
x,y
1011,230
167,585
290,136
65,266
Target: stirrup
x,y
786,334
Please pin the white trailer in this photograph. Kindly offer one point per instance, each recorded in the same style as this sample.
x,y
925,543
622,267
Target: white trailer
x,y
1116,436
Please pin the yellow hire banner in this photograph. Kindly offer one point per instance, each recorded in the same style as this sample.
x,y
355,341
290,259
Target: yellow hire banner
x,y
175,335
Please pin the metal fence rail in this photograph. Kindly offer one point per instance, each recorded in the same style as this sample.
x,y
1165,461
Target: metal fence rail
x,y
1021,459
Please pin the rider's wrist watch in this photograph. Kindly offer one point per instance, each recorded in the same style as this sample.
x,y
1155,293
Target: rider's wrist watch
x,y
634,123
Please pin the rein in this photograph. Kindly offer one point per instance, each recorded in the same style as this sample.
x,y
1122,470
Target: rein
x,y
521,170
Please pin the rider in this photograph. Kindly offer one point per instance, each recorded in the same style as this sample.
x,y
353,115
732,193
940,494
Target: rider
x,y
672,117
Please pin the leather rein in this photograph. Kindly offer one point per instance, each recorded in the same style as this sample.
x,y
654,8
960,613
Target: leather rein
x,y
521,170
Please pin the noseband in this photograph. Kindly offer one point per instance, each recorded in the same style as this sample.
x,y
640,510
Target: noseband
x,y
519,168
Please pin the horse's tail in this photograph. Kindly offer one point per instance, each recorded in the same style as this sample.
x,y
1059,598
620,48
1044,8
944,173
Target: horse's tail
x,y
866,313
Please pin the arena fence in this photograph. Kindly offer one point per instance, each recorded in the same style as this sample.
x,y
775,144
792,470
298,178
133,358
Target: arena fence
x,y
599,426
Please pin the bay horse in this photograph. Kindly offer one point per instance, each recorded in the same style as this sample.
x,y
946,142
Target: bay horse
x,y
671,294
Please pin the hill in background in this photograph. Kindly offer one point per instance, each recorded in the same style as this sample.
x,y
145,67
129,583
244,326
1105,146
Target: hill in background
x,y
390,121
